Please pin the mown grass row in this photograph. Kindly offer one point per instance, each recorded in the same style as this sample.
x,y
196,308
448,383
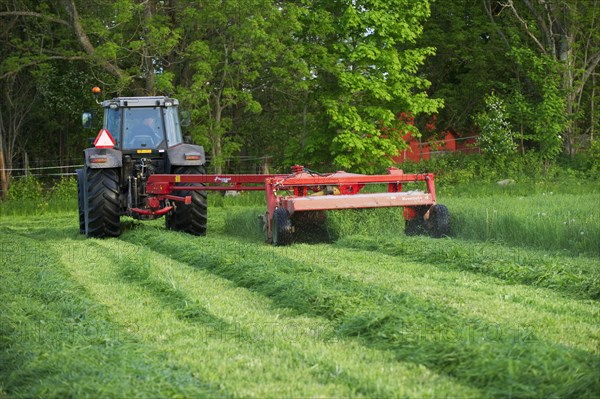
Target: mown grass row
x,y
404,324
298,355
577,276
58,341
205,329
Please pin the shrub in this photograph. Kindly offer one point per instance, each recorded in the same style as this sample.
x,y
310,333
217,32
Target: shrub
x,y
594,155
64,189
496,138
25,188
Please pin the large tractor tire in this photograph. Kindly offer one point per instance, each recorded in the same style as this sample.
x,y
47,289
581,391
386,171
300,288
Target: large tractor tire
x,y
438,224
102,205
190,218
281,228
80,199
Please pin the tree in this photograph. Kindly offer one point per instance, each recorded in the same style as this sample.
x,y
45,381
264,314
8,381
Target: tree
x,y
363,62
496,137
231,45
469,63
563,35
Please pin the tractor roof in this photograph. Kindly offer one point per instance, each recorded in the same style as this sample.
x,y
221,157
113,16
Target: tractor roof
x,y
140,102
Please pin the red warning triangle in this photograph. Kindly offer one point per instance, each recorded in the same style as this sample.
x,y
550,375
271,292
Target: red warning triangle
x,y
104,139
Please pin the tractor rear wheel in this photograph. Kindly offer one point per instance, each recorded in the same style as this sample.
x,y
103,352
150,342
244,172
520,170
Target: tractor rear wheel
x,y
80,203
189,218
281,227
102,205
438,224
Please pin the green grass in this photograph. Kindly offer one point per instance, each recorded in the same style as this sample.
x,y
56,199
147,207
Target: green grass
x,y
558,222
372,313
36,207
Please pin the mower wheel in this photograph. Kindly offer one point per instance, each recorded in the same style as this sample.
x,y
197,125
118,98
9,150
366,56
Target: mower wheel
x,y
439,221
416,225
80,201
102,206
281,228
190,218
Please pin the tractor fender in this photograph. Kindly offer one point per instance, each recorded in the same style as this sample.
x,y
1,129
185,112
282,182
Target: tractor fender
x,y
103,158
186,155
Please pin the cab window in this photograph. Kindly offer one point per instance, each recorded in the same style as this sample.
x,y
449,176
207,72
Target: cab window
x,y
112,119
142,128
172,126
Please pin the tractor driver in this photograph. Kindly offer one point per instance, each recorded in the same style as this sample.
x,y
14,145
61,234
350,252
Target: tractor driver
x,y
146,132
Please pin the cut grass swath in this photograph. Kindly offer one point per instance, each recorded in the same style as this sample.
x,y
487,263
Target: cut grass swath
x,y
57,341
499,365
577,276
207,329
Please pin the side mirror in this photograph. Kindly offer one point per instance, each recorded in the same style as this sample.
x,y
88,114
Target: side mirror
x,y
185,118
86,120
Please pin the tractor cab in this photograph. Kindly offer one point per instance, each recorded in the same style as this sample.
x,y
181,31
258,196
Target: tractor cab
x,y
143,123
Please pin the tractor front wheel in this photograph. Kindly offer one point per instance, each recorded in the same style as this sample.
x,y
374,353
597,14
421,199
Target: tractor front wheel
x,y
102,205
189,218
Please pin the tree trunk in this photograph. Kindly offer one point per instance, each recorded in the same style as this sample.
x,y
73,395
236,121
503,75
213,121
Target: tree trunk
x,y
592,110
4,173
148,60
85,42
25,163
216,139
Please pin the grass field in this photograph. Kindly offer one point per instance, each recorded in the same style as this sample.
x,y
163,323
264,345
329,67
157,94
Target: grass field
x,y
508,307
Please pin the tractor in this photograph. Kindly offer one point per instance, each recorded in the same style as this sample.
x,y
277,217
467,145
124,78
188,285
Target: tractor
x,y
141,136
141,167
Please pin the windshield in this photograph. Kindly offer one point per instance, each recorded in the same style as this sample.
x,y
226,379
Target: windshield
x,y
142,128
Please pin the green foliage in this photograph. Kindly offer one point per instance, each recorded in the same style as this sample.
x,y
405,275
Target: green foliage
x,y
594,155
453,170
542,114
25,189
496,137
365,75
27,196
469,62
64,189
